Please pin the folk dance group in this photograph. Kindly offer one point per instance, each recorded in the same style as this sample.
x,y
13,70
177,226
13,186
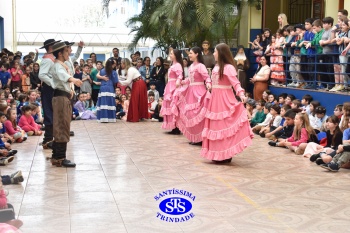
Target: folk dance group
x,y
205,109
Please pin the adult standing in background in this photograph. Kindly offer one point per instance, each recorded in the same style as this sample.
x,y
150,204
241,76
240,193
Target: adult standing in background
x,y
138,108
158,76
282,21
209,60
34,77
116,57
93,59
146,70
261,79
242,64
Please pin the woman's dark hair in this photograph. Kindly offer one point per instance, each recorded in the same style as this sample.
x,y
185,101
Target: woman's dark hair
x,y
109,66
8,115
161,61
198,51
259,66
224,57
334,120
274,35
92,54
315,104
291,97
178,57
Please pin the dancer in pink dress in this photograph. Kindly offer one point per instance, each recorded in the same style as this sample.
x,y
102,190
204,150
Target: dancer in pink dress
x,y
175,74
226,129
193,100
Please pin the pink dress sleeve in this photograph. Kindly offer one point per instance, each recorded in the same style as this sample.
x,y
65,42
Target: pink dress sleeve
x,y
204,73
3,199
178,71
9,128
231,74
303,138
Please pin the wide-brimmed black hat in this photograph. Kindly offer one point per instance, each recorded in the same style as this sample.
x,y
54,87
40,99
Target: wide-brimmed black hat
x,y
69,43
49,42
58,46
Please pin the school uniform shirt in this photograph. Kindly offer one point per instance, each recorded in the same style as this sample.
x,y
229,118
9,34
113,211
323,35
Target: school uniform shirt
x,y
338,139
267,120
60,77
259,117
4,77
156,94
277,121
327,49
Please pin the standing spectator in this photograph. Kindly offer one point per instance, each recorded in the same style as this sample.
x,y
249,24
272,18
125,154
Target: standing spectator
x,y
93,59
5,76
26,80
282,21
34,77
96,84
16,74
242,64
146,70
116,56
158,75
308,57
260,79
86,79
209,60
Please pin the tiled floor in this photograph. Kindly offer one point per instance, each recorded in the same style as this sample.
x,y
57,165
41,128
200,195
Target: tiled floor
x,y
122,166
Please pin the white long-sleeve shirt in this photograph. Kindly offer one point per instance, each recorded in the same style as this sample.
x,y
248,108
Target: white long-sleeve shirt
x,y
132,74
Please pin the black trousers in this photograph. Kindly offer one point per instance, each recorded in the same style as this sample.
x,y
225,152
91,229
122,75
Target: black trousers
x,y
46,99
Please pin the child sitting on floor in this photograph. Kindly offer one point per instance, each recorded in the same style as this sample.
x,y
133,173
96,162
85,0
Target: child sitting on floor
x,y
27,123
259,115
12,128
119,108
251,109
156,115
80,106
256,129
303,132
274,122
270,135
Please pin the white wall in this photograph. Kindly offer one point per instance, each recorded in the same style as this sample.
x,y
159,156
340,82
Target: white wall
x,y
6,13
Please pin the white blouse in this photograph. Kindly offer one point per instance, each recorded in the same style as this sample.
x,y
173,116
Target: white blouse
x,y
132,74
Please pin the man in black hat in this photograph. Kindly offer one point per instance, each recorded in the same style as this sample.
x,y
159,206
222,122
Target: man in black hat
x,y
47,91
62,109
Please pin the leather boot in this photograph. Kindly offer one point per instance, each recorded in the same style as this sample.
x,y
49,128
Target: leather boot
x,y
59,155
48,137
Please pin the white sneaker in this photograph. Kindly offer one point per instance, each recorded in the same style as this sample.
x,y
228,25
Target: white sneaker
x,y
154,120
292,84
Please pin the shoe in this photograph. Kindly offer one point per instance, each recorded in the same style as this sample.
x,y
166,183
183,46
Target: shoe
x,y
47,145
78,118
191,143
324,166
222,161
154,120
262,135
310,86
11,153
334,88
314,157
71,133
319,161
6,160
16,174
197,143
42,128
321,87
62,163
301,85
17,180
30,133
272,143
292,84
175,131
334,167
340,88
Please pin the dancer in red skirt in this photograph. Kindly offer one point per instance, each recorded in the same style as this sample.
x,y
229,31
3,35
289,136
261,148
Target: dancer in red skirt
x,y
138,107
226,129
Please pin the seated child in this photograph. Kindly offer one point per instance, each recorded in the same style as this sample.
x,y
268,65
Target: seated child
x,y
80,106
12,128
152,87
75,114
119,108
319,119
338,111
302,133
271,134
151,104
305,101
89,103
282,98
274,122
342,157
289,99
27,123
118,93
296,104
256,129
324,153
271,98
260,115
156,115
251,110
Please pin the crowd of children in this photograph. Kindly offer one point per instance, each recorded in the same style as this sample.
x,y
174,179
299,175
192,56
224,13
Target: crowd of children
x,y
312,54
303,127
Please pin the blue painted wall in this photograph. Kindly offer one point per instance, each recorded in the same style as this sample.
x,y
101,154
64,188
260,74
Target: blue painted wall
x,y
328,99
99,57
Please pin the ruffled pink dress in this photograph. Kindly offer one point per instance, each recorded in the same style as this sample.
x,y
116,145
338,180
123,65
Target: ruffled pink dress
x,y
226,129
193,102
175,73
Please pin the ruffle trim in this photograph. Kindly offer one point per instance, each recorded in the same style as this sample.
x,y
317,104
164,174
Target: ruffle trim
x,y
196,120
222,115
168,125
165,111
229,153
228,132
188,135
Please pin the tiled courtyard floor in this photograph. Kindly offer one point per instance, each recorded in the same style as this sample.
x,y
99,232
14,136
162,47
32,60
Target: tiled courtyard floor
x,y
121,167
